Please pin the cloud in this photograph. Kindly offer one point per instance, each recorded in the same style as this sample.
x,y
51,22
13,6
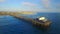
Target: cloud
x,y
46,3
2,0
28,4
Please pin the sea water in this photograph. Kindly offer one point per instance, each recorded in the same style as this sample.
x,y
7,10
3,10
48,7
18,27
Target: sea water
x,y
12,25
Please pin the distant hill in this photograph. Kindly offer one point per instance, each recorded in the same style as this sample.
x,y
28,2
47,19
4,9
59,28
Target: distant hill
x,y
26,12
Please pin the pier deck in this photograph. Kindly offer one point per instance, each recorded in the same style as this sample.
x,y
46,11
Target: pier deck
x,y
34,22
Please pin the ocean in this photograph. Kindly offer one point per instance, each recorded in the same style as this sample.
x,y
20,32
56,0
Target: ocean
x,y
12,25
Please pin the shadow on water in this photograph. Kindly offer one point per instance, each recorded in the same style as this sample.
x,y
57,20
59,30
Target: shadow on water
x,y
42,28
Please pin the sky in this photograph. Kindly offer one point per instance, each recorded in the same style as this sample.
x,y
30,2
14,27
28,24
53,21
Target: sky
x,y
30,5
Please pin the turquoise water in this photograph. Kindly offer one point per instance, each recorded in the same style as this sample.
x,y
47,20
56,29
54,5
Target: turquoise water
x,y
11,25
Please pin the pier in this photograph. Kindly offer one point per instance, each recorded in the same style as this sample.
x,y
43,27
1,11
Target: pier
x,y
33,21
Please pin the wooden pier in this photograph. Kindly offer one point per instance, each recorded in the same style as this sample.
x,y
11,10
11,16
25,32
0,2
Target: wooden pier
x,y
34,22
